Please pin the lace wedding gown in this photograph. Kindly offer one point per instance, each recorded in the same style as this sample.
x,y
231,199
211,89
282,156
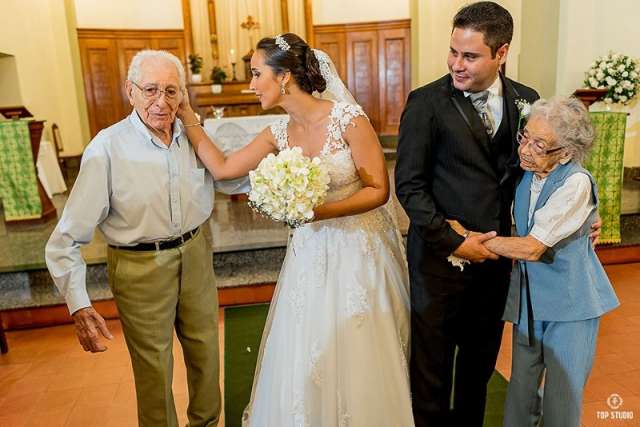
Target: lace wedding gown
x,y
334,348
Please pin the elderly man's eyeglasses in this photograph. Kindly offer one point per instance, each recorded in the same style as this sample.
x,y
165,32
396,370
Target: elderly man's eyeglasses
x,y
153,92
538,145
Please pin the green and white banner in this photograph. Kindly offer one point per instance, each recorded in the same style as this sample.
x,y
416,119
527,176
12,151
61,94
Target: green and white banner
x,y
605,164
18,180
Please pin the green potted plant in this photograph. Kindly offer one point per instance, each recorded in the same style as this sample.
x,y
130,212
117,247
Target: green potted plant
x,y
218,75
195,64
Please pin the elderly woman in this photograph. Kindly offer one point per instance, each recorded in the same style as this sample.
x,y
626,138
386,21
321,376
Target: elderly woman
x,y
559,289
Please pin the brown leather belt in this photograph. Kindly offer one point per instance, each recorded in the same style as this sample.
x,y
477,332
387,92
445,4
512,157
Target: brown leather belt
x,y
160,246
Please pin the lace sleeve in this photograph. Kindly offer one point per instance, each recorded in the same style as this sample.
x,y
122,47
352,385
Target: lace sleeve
x,y
348,112
279,132
342,116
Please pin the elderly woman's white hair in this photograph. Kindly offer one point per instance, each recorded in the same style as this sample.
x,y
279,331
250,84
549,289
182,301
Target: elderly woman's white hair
x,y
569,119
135,74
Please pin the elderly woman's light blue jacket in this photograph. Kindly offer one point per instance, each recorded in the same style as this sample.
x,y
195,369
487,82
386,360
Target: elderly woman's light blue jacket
x,y
568,283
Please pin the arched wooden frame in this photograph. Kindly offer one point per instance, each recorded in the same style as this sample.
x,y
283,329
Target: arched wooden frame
x,y
213,33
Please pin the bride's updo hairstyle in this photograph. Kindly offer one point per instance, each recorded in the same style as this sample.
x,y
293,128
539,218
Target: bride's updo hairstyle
x,y
288,52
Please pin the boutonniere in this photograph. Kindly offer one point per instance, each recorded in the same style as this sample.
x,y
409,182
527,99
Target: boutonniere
x,y
524,108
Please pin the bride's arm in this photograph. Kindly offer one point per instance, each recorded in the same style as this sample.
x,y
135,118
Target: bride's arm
x,y
238,163
369,161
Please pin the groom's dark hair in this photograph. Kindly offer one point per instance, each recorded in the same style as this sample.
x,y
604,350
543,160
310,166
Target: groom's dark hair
x,y
295,56
486,17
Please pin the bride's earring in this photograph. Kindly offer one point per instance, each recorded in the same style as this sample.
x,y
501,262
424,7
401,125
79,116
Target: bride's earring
x,y
283,89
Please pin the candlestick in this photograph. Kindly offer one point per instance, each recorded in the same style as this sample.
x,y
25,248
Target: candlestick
x,y
233,68
232,55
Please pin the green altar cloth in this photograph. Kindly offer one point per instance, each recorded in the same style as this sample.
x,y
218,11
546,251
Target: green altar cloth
x,y
605,164
18,181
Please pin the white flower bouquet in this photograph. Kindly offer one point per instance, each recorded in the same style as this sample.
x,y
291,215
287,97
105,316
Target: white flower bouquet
x,y
618,73
286,187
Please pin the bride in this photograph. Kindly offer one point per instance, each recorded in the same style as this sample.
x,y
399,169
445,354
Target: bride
x,y
334,348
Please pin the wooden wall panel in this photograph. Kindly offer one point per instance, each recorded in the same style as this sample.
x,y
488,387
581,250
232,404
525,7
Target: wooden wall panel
x,y
374,60
175,46
394,61
335,45
106,55
362,66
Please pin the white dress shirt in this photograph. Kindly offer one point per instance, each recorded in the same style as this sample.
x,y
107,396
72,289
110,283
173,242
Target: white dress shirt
x,y
134,189
495,103
565,211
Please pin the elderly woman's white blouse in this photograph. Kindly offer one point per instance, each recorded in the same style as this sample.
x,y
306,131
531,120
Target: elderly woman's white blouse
x,y
565,211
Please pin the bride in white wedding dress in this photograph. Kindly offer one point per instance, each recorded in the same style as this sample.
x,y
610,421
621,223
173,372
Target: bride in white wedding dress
x,y
334,348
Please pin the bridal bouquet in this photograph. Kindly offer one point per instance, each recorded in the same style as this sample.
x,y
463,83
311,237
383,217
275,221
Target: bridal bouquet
x,y
288,186
618,73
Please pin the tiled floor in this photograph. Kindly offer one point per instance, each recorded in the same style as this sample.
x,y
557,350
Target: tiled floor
x,y
47,380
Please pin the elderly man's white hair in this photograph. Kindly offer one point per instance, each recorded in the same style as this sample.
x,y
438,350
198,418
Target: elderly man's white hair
x,y
134,74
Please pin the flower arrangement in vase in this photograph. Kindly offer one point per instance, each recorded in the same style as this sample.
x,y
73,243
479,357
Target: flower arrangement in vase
x,y
618,73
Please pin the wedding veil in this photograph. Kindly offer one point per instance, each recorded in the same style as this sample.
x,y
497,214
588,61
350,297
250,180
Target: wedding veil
x,y
336,90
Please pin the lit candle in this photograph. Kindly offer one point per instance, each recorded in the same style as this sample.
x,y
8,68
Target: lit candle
x,y
232,55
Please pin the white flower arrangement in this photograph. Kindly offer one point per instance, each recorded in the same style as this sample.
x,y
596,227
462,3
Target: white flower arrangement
x,y
618,73
286,187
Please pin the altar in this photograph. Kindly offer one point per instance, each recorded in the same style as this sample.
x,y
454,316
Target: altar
x,y
232,133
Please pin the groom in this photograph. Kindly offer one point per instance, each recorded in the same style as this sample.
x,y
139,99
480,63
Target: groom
x,y
457,160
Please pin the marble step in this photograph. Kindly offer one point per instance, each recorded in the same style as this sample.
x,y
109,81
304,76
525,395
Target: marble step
x,y
35,288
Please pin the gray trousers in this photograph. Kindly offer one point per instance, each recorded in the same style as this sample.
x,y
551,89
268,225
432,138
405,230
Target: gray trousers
x,y
562,354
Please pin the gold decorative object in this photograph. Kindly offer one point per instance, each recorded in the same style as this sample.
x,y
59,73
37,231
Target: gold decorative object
x,y
250,24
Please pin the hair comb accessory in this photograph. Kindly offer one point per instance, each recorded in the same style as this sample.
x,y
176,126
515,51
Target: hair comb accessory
x,y
282,43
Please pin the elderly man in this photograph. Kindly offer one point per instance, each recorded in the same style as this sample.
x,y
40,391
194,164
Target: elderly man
x,y
140,183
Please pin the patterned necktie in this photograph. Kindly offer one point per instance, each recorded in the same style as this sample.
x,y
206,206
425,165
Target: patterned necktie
x,y
479,101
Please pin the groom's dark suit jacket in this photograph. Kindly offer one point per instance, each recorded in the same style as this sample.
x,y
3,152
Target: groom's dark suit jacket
x,y
449,168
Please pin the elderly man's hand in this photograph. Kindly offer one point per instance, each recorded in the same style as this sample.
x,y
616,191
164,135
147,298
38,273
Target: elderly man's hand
x,y
595,230
88,322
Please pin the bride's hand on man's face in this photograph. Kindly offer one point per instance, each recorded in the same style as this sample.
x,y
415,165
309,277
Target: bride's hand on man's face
x,y
184,108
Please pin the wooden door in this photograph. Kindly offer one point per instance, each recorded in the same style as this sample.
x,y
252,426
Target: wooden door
x,y
106,55
374,61
127,48
99,59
